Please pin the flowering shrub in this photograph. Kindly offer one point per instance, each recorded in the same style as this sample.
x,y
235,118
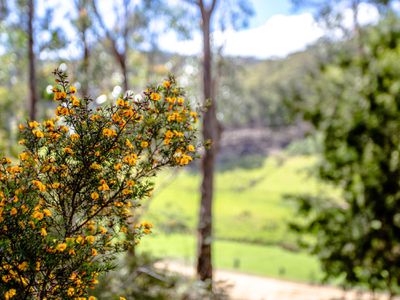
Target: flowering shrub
x,y
66,207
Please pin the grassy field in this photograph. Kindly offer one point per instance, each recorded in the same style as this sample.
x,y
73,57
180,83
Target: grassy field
x,y
251,215
272,261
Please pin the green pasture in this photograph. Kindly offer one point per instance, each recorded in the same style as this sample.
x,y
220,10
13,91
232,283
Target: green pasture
x,y
251,214
272,261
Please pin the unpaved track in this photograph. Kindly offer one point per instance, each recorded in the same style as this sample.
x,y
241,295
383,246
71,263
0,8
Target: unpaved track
x,y
250,287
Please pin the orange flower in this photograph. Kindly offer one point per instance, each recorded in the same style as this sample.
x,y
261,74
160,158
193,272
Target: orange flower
x,y
109,132
155,96
61,247
13,211
167,84
94,196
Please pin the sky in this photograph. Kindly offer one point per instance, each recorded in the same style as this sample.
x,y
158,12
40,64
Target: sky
x,y
275,31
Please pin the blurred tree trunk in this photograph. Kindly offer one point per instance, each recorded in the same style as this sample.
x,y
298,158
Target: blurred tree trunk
x,y
85,64
31,59
120,55
210,133
83,24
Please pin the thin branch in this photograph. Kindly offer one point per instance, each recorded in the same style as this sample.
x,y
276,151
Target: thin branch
x,y
211,9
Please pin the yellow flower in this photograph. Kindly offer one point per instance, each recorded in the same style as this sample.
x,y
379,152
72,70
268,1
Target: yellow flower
x,y
72,89
102,230
11,293
68,150
39,185
73,276
120,102
15,169
21,127
147,225
180,101
129,144
122,298
61,247
193,114
62,111
155,96
80,240
55,185
116,118
95,117
24,156
104,186
75,101
90,239
130,159
37,215
92,298
94,252
191,148
47,212
13,211
49,124
167,84
43,231
91,228
117,167
169,134
71,291
59,95
23,266
38,266
74,136
39,134
171,100
33,124
95,166
109,132
94,196
179,134
144,144
126,192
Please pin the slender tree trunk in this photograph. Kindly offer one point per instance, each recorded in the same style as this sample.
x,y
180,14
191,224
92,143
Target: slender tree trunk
x,y
124,72
85,64
120,56
121,59
31,59
204,258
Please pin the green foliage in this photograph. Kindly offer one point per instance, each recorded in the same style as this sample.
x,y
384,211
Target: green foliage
x,y
66,207
355,104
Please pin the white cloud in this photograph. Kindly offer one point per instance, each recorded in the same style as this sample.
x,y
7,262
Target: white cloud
x,y
367,14
279,36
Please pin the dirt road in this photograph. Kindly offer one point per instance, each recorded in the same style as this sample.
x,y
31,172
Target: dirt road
x,y
250,287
